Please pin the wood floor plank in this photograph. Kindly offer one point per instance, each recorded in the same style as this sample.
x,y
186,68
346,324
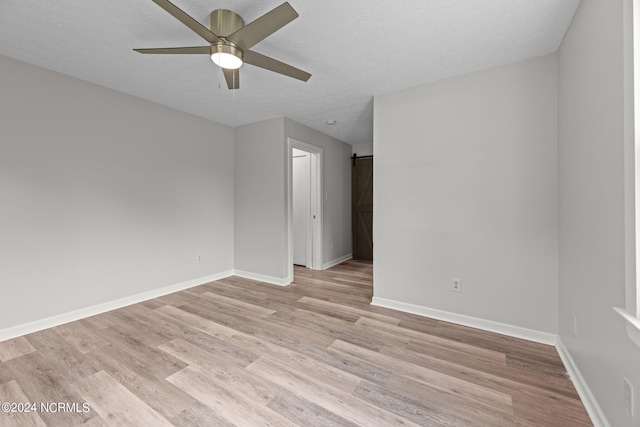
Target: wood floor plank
x,y
329,326
356,299
252,293
60,356
342,309
410,409
115,404
199,415
42,381
304,412
190,320
178,298
13,348
481,354
12,393
472,392
100,321
451,405
96,421
343,404
497,342
288,336
129,342
500,378
141,380
81,337
504,379
233,395
351,364
534,365
208,357
252,309
343,370
239,352
543,410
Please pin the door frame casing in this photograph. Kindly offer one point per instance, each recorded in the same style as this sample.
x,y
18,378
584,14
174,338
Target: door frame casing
x,y
316,204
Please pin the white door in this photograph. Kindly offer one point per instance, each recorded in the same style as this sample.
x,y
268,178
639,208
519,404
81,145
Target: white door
x,y
301,205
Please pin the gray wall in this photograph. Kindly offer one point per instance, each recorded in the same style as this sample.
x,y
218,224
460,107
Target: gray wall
x,y
591,212
260,205
466,187
103,195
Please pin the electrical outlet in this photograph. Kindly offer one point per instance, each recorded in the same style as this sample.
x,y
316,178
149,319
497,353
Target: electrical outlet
x,y
574,324
198,258
456,285
628,397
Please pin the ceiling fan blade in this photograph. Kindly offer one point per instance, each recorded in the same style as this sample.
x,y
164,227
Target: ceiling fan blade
x,y
259,60
232,77
187,20
195,50
263,27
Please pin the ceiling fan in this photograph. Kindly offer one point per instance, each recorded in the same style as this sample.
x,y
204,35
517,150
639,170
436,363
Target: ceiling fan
x,y
230,40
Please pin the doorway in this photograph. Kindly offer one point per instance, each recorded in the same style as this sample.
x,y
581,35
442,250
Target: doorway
x,y
302,221
304,203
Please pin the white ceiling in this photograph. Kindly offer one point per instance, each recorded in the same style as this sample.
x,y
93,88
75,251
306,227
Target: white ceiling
x,y
355,50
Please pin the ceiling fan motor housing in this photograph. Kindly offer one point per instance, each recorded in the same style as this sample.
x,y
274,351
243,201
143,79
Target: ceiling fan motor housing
x,y
225,22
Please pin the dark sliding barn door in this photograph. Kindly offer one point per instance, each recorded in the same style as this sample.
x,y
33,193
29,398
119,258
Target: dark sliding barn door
x,y
362,208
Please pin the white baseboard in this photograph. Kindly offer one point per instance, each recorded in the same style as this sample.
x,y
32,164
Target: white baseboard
x,y
283,281
588,399
60,319
473,322
262,278
336,261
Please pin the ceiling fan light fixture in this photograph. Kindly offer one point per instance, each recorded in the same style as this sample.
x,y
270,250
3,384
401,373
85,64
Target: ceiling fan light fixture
x,y
229,38
226,56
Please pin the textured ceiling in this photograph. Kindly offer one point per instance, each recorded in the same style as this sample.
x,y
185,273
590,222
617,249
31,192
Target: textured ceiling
x,y
355,50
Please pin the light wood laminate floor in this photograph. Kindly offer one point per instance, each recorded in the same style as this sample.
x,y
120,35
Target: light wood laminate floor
x,y
315,353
